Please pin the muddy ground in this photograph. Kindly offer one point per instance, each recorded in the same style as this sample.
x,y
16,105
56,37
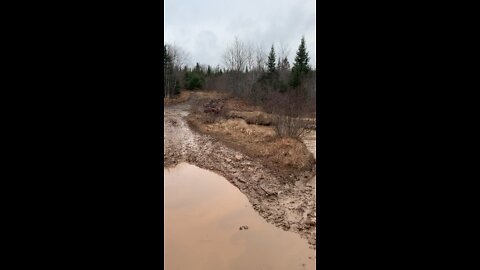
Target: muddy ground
x,y
288,205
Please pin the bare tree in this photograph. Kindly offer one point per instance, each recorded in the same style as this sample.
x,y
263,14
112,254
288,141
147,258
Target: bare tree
x,y
260,57
283,51
180,57
249,56
235,57
288,112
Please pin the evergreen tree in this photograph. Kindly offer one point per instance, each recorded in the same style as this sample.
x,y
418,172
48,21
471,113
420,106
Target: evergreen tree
x,y
209,71
198,68
301,66
271,61
195,78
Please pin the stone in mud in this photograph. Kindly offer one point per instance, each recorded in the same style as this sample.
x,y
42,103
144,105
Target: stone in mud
x,y
238,157
244,227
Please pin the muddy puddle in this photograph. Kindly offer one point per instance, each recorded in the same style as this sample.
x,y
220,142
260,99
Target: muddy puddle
x,y
203,214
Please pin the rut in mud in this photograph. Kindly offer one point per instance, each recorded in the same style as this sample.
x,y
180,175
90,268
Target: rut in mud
x,y
290,206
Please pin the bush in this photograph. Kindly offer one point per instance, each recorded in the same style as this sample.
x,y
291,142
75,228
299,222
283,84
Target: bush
x,y
288,113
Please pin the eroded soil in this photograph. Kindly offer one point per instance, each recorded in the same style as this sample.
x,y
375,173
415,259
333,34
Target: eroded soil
x,y
288,205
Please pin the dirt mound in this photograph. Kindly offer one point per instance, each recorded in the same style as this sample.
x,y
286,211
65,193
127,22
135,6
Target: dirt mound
x,y
281,154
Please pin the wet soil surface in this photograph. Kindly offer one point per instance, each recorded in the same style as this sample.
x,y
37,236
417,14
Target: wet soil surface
x,y
206,216
290,206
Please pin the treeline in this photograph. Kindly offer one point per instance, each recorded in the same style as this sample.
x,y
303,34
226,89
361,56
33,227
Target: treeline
x,y
262,77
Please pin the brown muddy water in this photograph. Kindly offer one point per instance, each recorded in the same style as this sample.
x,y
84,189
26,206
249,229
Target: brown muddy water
x,y
203,214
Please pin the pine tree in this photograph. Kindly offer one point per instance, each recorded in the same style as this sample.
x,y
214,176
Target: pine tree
x,y
301,66
271,61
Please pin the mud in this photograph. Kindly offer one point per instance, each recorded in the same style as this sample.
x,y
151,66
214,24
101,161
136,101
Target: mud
x,y
290,206
206,216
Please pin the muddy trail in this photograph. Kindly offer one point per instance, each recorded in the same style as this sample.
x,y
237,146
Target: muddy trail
x,y
290,206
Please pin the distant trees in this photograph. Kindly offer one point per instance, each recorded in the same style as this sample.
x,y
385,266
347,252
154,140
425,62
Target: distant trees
x,y
195,79
174,65
265,77
171,86
251,71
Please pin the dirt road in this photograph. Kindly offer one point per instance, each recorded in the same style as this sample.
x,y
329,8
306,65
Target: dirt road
x,y
289,206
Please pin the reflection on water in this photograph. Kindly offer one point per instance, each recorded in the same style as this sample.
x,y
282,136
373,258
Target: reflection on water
x,y
203,213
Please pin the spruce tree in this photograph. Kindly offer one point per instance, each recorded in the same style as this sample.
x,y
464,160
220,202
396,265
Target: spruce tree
x,y
209,71
271,61
301,66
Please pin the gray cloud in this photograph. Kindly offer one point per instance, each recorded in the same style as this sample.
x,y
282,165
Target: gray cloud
x,y
206,28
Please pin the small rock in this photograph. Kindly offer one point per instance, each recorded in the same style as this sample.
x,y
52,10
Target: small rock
x,y
311,241
309,221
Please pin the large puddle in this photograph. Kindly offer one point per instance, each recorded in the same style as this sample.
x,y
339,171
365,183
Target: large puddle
x,y
203,214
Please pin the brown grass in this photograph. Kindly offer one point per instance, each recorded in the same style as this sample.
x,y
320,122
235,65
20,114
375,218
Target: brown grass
x,y
257,141
253,117
236,104
237,127
182,97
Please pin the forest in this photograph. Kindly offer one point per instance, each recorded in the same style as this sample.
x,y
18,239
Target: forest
x,y
261,77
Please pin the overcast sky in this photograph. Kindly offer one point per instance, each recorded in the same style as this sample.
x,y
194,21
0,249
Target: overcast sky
x,y
204,28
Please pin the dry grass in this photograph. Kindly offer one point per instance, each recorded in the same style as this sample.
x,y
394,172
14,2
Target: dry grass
x,y
182,97
236,104
253,117
205,95
258,141
237,127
